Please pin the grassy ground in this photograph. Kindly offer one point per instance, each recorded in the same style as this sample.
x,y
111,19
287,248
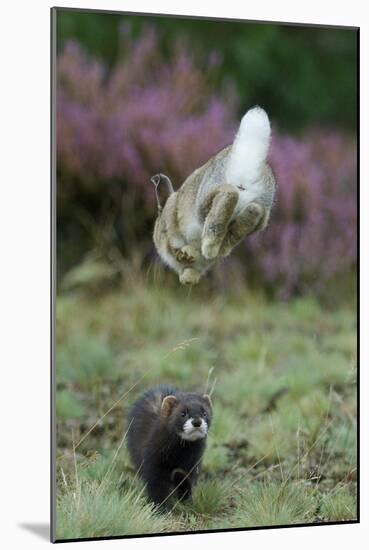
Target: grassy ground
x,y
282,448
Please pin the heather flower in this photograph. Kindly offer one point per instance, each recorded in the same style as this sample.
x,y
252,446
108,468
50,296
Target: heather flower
x,y
145,115
312,234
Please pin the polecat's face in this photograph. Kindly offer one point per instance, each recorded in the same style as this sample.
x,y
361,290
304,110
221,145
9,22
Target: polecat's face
x,y
189,415
192,422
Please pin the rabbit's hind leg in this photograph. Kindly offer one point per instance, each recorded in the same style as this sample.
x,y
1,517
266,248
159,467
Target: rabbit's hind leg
x,y
249,221
221,208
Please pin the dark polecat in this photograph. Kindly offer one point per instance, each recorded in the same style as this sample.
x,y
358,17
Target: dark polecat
x,y
166,440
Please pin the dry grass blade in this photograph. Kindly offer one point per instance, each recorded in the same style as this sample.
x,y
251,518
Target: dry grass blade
x,y
210,372
180,483
181,346
244,474
111,466
63,477
109,410
276,449
78,486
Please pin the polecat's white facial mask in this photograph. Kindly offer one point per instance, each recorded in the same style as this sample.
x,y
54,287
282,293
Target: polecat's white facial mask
x,y
192,433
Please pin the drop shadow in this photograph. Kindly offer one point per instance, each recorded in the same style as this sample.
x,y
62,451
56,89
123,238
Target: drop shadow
x,y
40,529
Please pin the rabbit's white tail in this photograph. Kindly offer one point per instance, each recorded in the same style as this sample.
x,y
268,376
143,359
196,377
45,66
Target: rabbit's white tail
x,y
250,148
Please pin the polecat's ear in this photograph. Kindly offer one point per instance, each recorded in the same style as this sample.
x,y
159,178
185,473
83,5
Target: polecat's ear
x,y
168,404
207,400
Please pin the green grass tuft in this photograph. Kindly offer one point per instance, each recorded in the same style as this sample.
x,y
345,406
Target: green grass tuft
x,y
339,505
275,504
91,511
211,497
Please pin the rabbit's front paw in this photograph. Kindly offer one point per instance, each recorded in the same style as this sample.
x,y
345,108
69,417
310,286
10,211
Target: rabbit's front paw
x,y
187,254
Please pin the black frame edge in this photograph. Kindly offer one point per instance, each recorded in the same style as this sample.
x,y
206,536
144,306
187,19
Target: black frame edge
x,y
205,17
53,45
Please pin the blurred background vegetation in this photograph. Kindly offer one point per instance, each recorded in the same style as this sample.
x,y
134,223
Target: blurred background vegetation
x,y
273,326
302,75
139,95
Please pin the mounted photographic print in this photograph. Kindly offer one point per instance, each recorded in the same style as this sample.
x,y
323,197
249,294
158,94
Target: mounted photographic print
x,y
204,350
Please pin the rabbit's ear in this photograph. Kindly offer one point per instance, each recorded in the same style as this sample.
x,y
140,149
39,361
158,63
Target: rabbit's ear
x,y
161,196
155,179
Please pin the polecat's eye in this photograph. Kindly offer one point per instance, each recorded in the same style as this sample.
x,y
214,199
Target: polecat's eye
x,y
204,414
183,413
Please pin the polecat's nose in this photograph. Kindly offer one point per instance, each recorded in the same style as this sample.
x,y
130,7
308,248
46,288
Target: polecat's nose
x,y
196,422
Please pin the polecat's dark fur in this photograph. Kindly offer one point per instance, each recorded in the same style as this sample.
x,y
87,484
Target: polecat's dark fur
x,y
167,439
